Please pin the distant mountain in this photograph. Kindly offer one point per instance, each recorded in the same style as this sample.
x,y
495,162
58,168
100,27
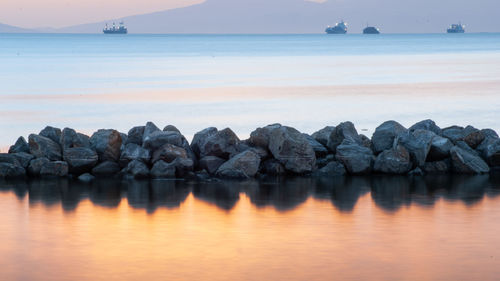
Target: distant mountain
x,y
299,16
4,28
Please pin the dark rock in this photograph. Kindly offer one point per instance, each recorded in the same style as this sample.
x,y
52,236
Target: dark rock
x,y
473,137
70,138
148,130
169,153
427,125
465,162
41,146
365,141
418,143
356,158
323,135
52,133
203,175
393,161
106,168
384,135
343,131
221,144
8,170
490,151
454,133
138,169
163,170
23,158
124,139
86,178
489,133
463,145
36,165
243,165
135,135
171,128
80,159
133,151
438,167
20,146
211,163
260,137
262,152
321,162
318,148
55,168
440,149
272,167
10,158
331,169
292,149
416,172
200,137
157,139
107,144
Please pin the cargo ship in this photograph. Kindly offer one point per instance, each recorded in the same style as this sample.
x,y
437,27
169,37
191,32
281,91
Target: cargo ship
x,y
456,28
339,28
371,30
121,29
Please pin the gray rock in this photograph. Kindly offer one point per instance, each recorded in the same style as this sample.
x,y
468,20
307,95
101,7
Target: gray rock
x,y
416,172
168,153
211,163
163,170
133,151
323,135
393,161
262,152
292,149
171,128
9,158
20,146
148,130
138,169
490,151
243,165
107,144
23,158
52,133
8,170
183,166
463,145
70,138
260,137
440,149
200,137
124,139
318,148
321,162
221,144
41,146
55,168
384,135
86,178
454,133
332,169
366,141
418,143
356,158
489,133
438,167
427,125
473,137
157,139
106,168
36,165
273,167
135,135
345,130
465,162
80,159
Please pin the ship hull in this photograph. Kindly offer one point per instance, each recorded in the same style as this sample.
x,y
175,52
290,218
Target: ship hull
x,y
455,31
335,31
371,30
114,32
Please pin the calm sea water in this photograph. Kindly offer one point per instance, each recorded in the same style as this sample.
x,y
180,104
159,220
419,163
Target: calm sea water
x,y
378,228
243,81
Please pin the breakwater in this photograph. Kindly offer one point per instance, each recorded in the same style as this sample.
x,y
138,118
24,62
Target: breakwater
x,y
147,151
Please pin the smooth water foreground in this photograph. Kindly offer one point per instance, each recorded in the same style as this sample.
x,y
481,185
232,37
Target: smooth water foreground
x,y
89,82
355,228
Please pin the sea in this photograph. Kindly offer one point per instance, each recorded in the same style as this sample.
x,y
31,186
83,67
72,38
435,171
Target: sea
x,y
296,228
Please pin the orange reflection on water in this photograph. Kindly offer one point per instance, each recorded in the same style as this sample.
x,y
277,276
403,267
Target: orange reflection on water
x,y
199,241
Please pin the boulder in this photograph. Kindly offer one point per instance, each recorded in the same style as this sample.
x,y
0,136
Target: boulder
x,y
163,170
438,167
321,162
160,138
292,149
465,162
183,166
463,145
171,128
396,160
490,151
8,170
416,172
41,146
106,168
138,169
384,135
272,167
86,178
260,137
200,137
454,133
318,148
135,135
169,153
243,165
323,135
440,149
107,144
124,139
70,138
343,131
489,133
36,165
9,158
52,133
472,136
80,159
148,130
332,169
221,144
365,141
418,143
211,163
20,146
55,168
356,158
23,158
427,125
133,151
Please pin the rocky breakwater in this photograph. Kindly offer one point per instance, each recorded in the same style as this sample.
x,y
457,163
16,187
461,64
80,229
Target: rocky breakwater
x,y
149,152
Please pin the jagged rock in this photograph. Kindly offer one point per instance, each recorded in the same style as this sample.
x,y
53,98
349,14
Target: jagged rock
x,y
262,152
323,135
41,146
318,148
438,167
52,133
124,139
211,163
331,169
356,158
466,162
55,168
440,149
36,165
365,141
133,151
8,170
70,138
221,144
418,143
292,149
106,168
183,166
272,167
107,144
86,178
162,170
490,151
345,130
23,158
148,130
454,133
169,153
160,138
321,162
9,158
203,175
135,135
383,137
489,133
393,161
260,137
171,128
138,169
427,125
463,145
472,136
416,172
20,146
80,159
200,137
243,165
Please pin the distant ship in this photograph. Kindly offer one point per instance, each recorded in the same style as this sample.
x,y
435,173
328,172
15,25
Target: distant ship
x,y
456,28
339,28
115,30
371,30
